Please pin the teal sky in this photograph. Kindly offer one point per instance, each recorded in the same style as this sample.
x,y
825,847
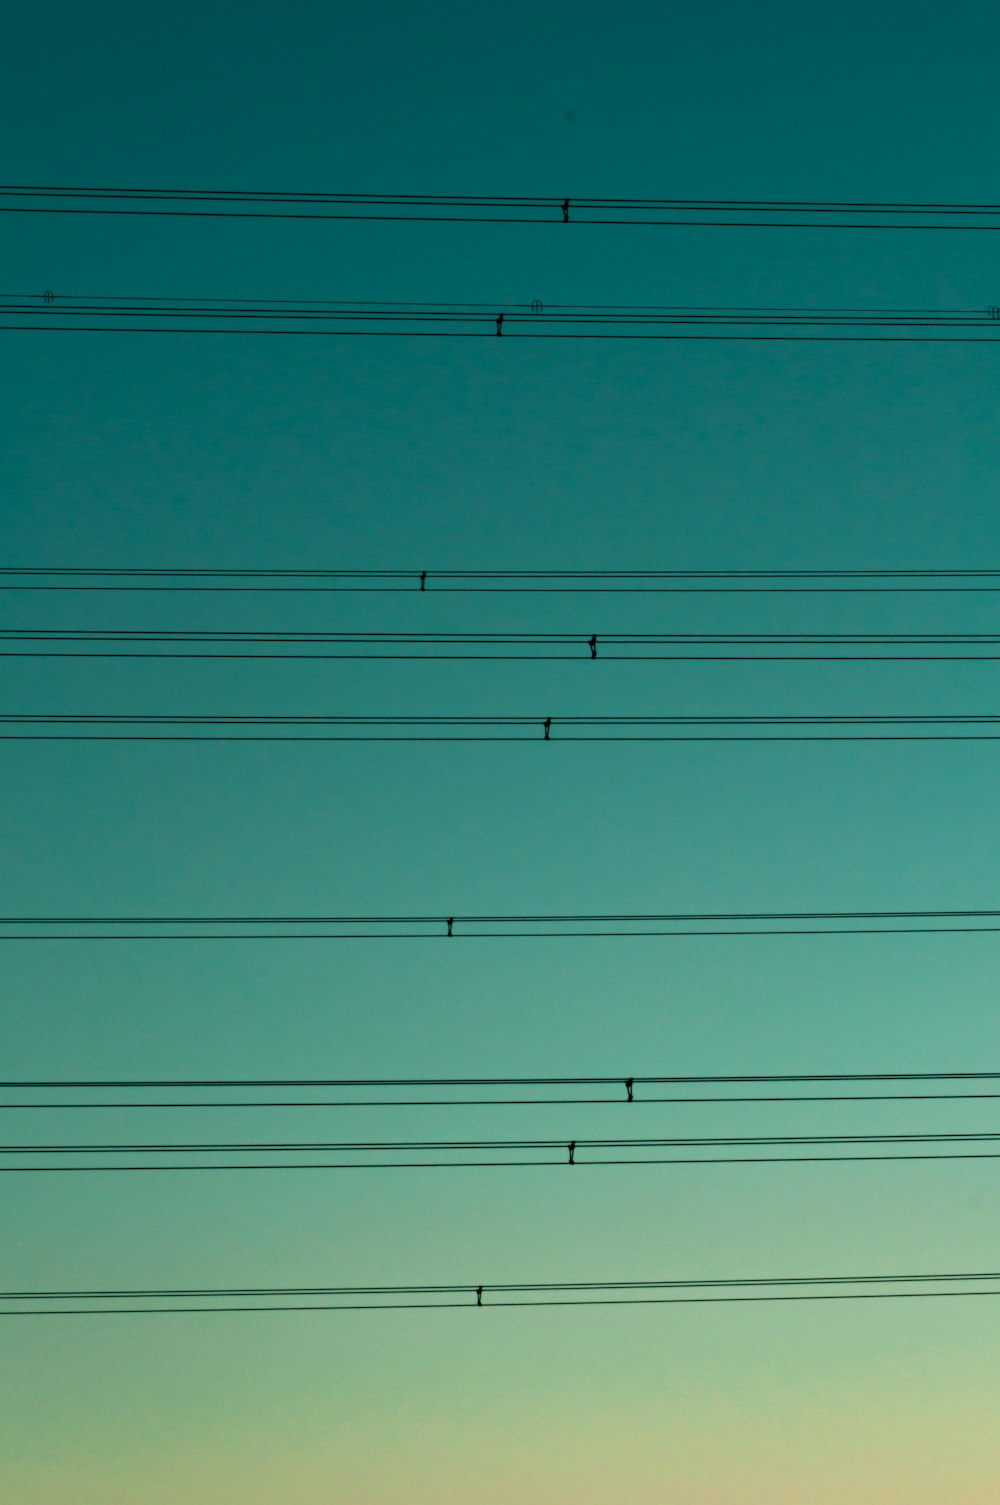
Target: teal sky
x,y
205,452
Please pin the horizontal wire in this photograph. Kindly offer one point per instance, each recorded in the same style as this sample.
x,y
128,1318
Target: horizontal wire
x,y
435,1146
932,727
497,319
367,1083
96,928
580,646
950,1277
510,935
508,658
475,1297
456,334
524,1102
424,1165
821,206
612,582
465,1305
739,213
747,916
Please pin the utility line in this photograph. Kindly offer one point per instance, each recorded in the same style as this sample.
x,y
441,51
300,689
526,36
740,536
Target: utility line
x,y
628,1091
516,1102
442,315
498,927
476,1296
371,1083
122,314
506,322
814,214
175,643
505,729
481,582
557,1152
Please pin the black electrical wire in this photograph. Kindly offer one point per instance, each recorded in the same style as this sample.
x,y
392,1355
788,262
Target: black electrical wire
x,y
428,1165
503,582
506,729
498,927
122,314
521,1102
630,1091
368,1083
497,209
477,1296
176,643
538,316
435,1146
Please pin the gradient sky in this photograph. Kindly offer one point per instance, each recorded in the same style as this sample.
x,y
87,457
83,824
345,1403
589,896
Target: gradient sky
x,y
296,454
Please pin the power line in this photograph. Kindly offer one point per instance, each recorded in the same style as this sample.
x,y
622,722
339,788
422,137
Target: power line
x,y
499,927
542,1153
122,314
498,209
628,1091
176,643
496,318
505,729
369,1083
497,1294
478,582
517,1102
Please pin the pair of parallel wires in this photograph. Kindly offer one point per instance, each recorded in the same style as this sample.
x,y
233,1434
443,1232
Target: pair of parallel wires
x,y
519,209
47,312
316,1298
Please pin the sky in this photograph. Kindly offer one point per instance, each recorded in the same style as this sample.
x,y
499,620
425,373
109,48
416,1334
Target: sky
x,y
217,453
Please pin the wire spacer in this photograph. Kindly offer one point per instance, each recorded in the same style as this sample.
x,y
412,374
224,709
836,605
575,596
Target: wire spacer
x,y
547,723
450,924
629,1081
479,1295
572,1151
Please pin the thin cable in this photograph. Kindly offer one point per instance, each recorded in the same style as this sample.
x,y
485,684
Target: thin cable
x,y
551,582
492,319
505,729
498,927
428,1165
121,314
630,1091
369,1083
439,1305
457,334
176,643
494,209
520,1102
476,1297
505,1146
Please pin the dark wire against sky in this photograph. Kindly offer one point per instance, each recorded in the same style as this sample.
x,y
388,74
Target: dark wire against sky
x,y
499,927
39,1303
514,582
117,313
817,214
